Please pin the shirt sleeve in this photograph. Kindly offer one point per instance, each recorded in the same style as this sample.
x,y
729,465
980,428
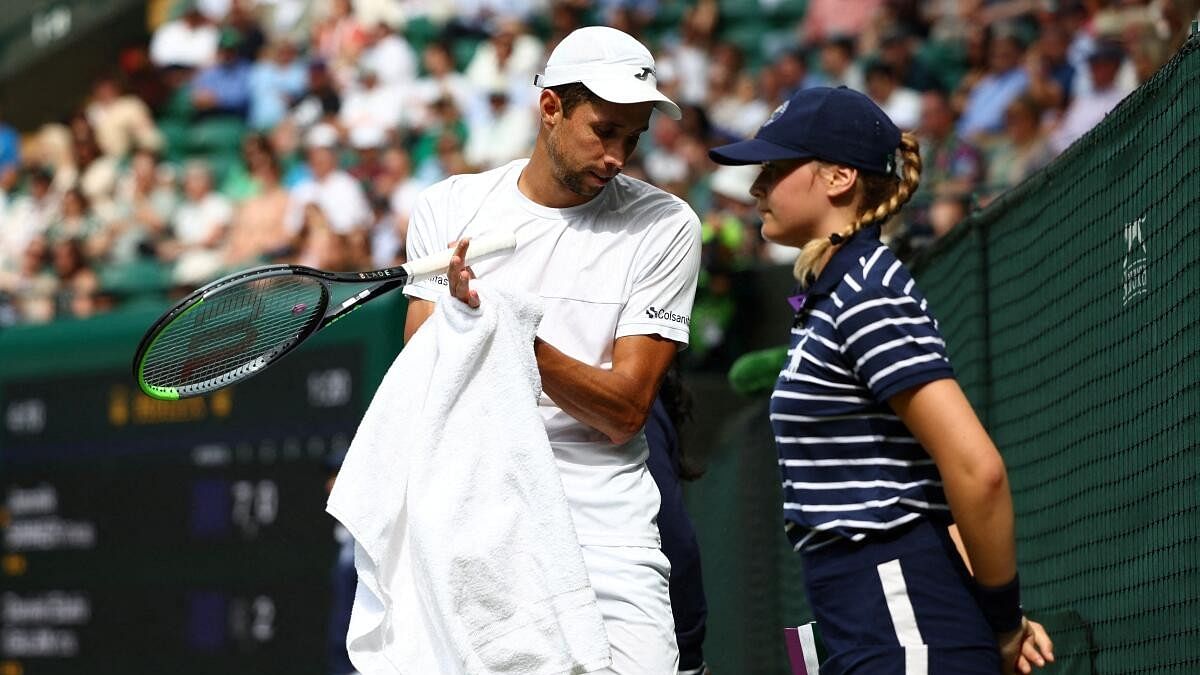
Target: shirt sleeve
x,y
425,238
664,285
891,340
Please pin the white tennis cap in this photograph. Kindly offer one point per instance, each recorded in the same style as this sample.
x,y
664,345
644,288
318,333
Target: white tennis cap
x,y
612,64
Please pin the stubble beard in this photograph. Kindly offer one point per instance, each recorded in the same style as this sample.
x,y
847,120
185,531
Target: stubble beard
x,y
572,180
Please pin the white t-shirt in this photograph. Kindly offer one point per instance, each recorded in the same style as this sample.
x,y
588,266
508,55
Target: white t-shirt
x,y
625,263
340,197
195,221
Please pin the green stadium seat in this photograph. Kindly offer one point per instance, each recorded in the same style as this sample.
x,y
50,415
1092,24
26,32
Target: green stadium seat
x,y
216,134
144,278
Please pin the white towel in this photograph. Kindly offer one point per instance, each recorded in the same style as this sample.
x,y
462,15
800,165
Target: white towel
x,y
467,557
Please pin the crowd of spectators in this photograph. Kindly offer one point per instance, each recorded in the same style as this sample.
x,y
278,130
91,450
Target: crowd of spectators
x,y
251,131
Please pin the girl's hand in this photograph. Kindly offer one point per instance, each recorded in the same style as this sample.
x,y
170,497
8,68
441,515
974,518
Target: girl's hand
x,y
1024,648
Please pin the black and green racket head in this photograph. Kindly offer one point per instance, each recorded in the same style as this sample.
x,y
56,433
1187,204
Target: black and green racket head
x,y
228,331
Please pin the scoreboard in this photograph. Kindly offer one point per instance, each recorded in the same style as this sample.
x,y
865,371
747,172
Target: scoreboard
x,y
145,536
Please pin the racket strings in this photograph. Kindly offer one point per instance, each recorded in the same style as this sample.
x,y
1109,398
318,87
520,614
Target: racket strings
x,y
232,328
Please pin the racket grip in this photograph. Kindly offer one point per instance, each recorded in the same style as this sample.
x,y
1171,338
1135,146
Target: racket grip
x,y
484,246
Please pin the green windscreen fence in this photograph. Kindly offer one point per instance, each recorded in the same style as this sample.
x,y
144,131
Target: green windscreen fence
x,y
1071,309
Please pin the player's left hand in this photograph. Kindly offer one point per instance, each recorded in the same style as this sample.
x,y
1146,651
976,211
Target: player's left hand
x,y
1024,648
460,276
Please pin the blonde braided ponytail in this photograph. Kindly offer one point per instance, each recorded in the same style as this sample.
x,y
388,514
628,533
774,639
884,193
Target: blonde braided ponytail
x,y
882,196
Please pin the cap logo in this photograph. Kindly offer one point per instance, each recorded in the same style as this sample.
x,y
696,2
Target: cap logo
x,y
646,72
777,114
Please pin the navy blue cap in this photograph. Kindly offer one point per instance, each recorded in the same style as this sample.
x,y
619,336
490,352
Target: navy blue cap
x,y
838,125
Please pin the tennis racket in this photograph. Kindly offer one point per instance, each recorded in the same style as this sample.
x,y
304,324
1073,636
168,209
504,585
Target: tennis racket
x,y
234,327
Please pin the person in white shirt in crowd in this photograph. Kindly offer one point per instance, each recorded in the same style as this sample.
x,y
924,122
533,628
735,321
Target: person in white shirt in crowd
x,y
510,58
277,78
121,122
339,196
1088,107
188,42
390,56
506,134
742,111
443,81
26,217
901,104
370,103
198,228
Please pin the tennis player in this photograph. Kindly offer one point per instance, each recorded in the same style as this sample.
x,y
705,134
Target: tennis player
x,y
879,449
615,262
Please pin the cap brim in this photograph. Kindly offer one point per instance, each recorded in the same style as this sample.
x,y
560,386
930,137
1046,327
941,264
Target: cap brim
x,y
754,151
639,91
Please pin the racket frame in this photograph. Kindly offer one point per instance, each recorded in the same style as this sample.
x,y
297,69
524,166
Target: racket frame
x,y
387,279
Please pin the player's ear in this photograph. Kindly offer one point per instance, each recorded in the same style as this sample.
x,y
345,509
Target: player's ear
x,y
550,108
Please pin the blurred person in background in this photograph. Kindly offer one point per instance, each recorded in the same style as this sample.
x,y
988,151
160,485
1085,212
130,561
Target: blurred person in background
x,y
826,18
143,204
390,56
198,228
29,284
683,62
368,143
1051,75
188,42
258,233
742,111
75,221
341,199
277,79
53,151
442,81
224,87
901,104
1020,152
949,164
1087,108
438,140
28,215
946,159
10,145
508,59
318,245
242,21
837,66
397,184
897,50
338,40
77,284
120,121
370,103
1006,79
321,100
505,134
949,208
240,183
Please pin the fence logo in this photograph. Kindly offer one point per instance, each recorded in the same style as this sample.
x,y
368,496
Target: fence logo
x,y
1136,262
666,315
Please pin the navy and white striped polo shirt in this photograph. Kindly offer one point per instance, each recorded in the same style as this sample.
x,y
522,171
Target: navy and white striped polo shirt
x,y
850,467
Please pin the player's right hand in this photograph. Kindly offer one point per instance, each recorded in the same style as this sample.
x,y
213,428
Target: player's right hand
x,y
1024,648
460,275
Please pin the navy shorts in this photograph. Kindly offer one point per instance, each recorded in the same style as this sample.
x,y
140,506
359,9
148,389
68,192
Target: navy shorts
x,y
898,604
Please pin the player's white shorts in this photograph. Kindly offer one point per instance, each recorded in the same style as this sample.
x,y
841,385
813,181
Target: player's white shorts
x,y
634,598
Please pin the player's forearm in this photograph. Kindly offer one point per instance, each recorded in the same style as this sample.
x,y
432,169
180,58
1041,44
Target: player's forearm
x,y
612,403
